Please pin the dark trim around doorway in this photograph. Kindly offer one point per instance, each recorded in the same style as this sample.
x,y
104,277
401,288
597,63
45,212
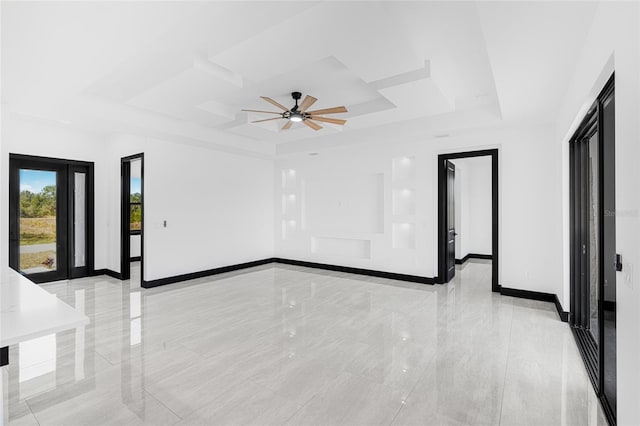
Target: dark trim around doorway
x,y
442,211
125,217
65,211
4,356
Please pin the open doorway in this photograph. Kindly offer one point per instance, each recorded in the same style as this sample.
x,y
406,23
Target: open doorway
x,y
132,218
465,232
472,205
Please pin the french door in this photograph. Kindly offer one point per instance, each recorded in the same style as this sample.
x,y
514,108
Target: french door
x,y
50,218
593,252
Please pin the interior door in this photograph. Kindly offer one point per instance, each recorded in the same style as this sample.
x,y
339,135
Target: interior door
x,y
37,217
450,219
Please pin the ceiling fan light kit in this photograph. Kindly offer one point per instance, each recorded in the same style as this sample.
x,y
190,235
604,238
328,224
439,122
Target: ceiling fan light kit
x,y
299,113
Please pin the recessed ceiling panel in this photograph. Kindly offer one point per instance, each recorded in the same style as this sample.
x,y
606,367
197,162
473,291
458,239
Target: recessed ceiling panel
x,y
420,98
179,95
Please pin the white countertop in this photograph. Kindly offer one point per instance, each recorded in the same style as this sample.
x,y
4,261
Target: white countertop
x,y
28,311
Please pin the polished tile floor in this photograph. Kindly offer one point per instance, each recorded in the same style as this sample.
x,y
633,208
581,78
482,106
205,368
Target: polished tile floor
x,y
297,346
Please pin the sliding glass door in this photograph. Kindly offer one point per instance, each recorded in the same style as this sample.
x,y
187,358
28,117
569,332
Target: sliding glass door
x,y
593,257
50,234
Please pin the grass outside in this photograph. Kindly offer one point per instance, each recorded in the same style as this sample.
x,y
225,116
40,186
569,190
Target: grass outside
x,y
34,260
37,230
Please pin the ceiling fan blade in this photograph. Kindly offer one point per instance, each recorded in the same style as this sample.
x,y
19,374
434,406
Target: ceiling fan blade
x,y
333,110
307,102
329,120
264,112
272,102
287,125
267,119
314,126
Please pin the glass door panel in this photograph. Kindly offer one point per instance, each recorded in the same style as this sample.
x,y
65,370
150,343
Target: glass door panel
x,y
594,237
38,221
135,190
79,220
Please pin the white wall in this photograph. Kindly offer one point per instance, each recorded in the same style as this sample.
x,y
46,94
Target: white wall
x,y
613,43
530,219
135,245
218,206
473,205
480,207
22,135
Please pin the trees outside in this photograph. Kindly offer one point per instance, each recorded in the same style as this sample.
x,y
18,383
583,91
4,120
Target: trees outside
x,y
42,204
136,211
38,226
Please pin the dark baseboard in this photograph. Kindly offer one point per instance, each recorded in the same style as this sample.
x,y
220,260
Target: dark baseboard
x,y
473,256
564,315
201,274
109,272
537,295
505,291
230,268
135,259
359,271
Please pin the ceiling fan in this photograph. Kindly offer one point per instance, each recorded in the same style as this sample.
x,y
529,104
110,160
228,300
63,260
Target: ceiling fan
x,y
299,113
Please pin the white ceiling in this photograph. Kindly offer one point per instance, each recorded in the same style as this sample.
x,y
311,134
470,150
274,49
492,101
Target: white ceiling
x,y
184,70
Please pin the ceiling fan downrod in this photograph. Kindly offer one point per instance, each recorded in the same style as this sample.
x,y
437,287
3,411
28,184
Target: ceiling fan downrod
x,y
296,96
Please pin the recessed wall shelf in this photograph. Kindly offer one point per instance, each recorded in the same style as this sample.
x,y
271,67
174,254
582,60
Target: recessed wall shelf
x,y
289,202
403,168
287,228
288,178
403,201
404,236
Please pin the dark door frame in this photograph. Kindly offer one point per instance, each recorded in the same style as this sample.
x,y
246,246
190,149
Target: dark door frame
x,y
65,210
442,211
125,217
592,351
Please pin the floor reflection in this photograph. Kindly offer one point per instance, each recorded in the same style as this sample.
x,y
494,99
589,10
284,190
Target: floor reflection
x,y
282,344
